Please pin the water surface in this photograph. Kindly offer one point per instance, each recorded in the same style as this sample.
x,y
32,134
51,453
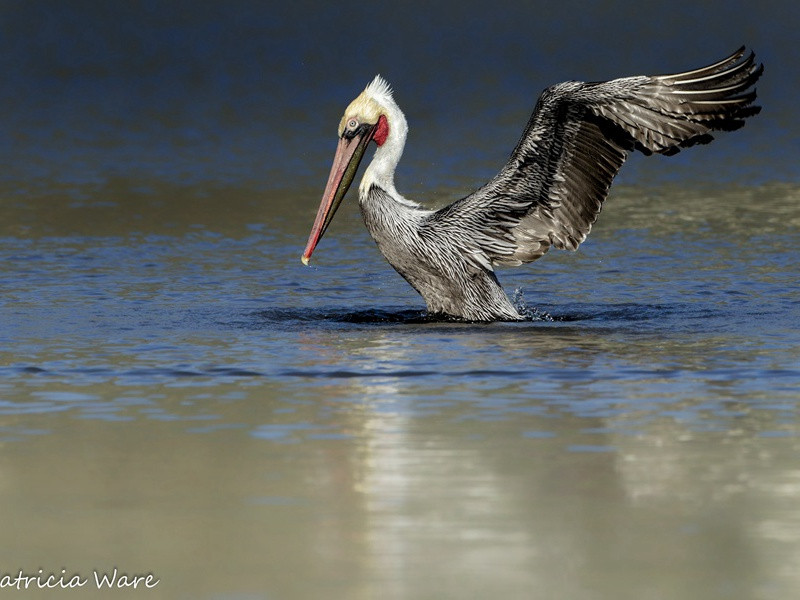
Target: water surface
x,y
187,399
180,396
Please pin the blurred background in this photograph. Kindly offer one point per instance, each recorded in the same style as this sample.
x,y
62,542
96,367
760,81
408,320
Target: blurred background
x,y
248,94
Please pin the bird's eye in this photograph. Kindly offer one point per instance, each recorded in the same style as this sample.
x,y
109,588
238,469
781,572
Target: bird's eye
x,y
352,124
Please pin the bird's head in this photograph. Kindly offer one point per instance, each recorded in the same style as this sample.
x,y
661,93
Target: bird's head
x,y
365,120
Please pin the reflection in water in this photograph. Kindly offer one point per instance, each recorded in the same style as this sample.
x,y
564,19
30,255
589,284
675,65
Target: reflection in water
x,y
410,502
179,395
194,392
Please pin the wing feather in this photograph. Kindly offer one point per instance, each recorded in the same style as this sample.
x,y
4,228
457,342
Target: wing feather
x,y
552,188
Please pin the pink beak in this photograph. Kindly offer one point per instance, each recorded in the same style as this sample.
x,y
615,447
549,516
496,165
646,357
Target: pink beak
x,y
348,156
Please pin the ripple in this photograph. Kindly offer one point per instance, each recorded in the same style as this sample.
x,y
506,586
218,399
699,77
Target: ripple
x,y
559,313
590,448
378,316
340,315
403,373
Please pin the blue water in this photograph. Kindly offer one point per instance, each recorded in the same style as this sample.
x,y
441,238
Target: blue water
x,y
179,395
251,93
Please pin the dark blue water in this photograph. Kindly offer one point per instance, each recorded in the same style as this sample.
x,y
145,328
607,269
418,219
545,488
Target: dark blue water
x,y
249,93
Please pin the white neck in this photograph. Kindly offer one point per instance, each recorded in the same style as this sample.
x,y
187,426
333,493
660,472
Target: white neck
x,y
381,170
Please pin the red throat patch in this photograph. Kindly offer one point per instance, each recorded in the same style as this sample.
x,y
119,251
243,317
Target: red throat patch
x,y
381,131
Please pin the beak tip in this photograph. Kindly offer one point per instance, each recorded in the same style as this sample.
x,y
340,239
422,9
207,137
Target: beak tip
x,y
305,259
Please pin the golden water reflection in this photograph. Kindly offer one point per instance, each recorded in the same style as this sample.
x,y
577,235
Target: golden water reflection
x,y
266,496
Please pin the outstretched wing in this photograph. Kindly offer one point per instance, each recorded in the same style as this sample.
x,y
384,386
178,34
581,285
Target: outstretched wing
x,y
552,188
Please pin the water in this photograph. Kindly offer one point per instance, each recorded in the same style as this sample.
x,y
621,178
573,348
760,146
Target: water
x,y
181,397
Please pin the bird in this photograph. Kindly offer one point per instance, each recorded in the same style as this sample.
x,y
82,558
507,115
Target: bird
x,y
548,194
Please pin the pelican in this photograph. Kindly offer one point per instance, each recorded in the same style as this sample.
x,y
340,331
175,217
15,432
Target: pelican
x,y
550,191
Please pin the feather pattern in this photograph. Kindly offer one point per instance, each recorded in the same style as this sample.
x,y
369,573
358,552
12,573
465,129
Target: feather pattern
x,y
552,188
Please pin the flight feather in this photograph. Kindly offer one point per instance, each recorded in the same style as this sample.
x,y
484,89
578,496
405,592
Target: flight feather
x,y
552,188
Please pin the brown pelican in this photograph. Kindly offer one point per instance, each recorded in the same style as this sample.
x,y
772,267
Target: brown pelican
x,y
548,194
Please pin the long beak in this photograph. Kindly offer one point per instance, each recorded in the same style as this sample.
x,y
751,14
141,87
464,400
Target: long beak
x,y
348,156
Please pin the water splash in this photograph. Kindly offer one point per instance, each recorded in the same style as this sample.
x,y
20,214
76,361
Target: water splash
x,y
531,313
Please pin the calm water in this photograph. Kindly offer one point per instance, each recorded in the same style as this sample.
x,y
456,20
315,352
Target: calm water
x,y
189,400
180,396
